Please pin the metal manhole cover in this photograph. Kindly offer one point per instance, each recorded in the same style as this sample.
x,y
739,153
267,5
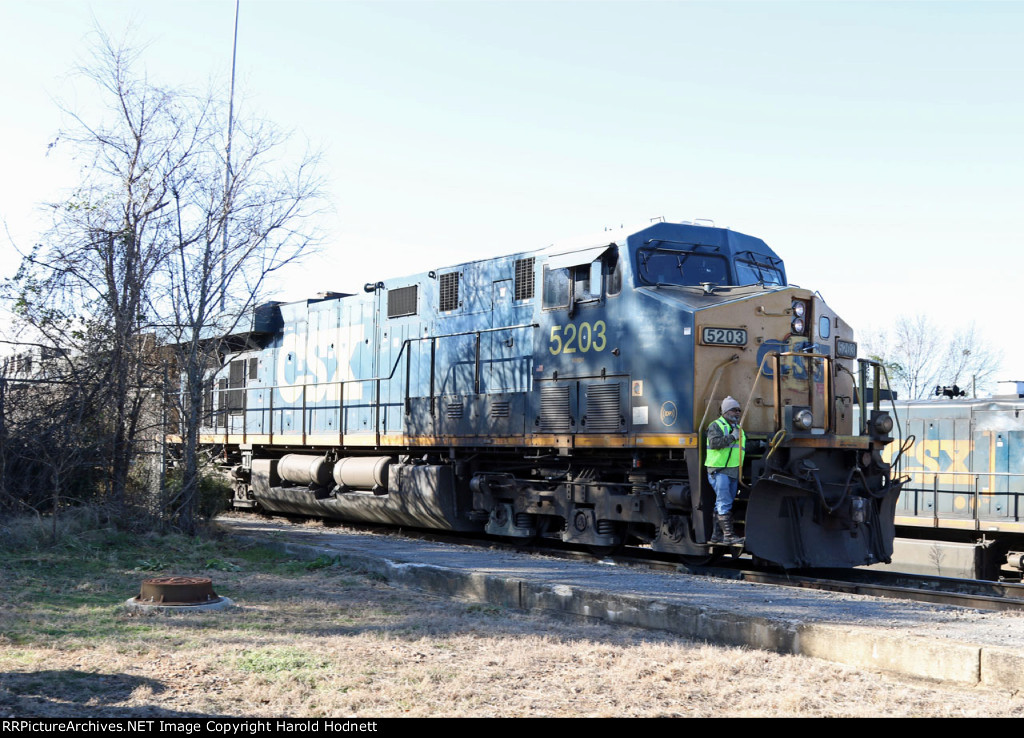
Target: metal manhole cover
x,y
177,591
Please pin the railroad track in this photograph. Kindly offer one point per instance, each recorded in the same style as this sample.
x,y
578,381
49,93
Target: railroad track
x,y
968,593
976,594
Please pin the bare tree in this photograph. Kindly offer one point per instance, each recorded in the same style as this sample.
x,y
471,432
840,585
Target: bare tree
x,y
234,231
919,357
85,290
163,236
969,362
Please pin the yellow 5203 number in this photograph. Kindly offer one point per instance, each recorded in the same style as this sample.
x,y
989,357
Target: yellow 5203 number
x,y
582,337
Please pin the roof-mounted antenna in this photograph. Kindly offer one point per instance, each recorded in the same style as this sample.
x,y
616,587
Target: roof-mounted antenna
x,y
698,221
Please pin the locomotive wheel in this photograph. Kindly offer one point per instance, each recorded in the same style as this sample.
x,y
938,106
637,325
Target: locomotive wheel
x,y
702,560
519,541
604,551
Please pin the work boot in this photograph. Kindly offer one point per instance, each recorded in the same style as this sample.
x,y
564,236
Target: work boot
x,y
728,536
716,537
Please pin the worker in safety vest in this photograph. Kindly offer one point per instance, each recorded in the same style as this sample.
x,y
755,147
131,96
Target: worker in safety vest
x,y
724,461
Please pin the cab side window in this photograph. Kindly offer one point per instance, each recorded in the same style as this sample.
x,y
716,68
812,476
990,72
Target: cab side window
x,y
576,278
587,281
613,268
565,285
556,287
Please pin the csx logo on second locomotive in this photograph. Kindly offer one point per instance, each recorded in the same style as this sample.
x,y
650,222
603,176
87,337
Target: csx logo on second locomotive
x,y
578,337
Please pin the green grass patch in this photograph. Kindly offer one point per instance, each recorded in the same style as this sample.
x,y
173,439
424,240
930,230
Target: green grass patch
x,y
277,660
323,562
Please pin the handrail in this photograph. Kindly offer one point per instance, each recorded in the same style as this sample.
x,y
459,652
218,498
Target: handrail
x,y
876,403
760,373
830,388
340,384
711,395
919,488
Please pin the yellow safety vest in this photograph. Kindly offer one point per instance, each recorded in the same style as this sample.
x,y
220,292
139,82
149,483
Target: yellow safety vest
x,y
732,455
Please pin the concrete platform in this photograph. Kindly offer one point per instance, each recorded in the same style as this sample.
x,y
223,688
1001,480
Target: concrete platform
x,y
936,558
957,645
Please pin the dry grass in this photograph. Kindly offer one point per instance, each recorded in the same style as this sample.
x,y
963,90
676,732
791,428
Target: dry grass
x,y
314,639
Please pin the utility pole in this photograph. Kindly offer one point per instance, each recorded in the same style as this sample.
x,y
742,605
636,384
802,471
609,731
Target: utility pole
x,y
227,169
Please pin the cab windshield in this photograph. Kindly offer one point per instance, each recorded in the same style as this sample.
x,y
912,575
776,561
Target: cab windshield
x,y
682,267
755,268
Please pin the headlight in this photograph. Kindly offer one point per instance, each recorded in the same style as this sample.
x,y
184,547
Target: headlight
x,y
882,424
799,310
803,420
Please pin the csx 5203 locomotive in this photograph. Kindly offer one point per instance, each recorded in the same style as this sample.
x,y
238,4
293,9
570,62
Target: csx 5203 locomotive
x,y
564,392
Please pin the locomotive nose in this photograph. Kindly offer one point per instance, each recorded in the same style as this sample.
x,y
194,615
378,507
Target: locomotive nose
x,y
796,525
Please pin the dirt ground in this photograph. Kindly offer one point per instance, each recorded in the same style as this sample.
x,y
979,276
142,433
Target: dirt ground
x,y
312,639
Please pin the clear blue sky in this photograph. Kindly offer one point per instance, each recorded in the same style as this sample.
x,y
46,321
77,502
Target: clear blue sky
x,y
877,146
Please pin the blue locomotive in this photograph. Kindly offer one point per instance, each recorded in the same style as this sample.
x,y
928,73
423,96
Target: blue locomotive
x,y
564,392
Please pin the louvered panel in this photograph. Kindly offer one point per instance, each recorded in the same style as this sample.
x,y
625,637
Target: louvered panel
x,y
499,409
554,410
449,292
453,411
402,301
604,411
524,279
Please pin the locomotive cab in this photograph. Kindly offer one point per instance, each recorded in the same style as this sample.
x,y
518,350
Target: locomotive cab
x,y
817,490
814,489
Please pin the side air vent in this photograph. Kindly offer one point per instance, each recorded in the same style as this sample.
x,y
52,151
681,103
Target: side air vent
x,y
604,411
554,410
499,409
220,417
453,411
402,301
236,385
524,279
449,288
